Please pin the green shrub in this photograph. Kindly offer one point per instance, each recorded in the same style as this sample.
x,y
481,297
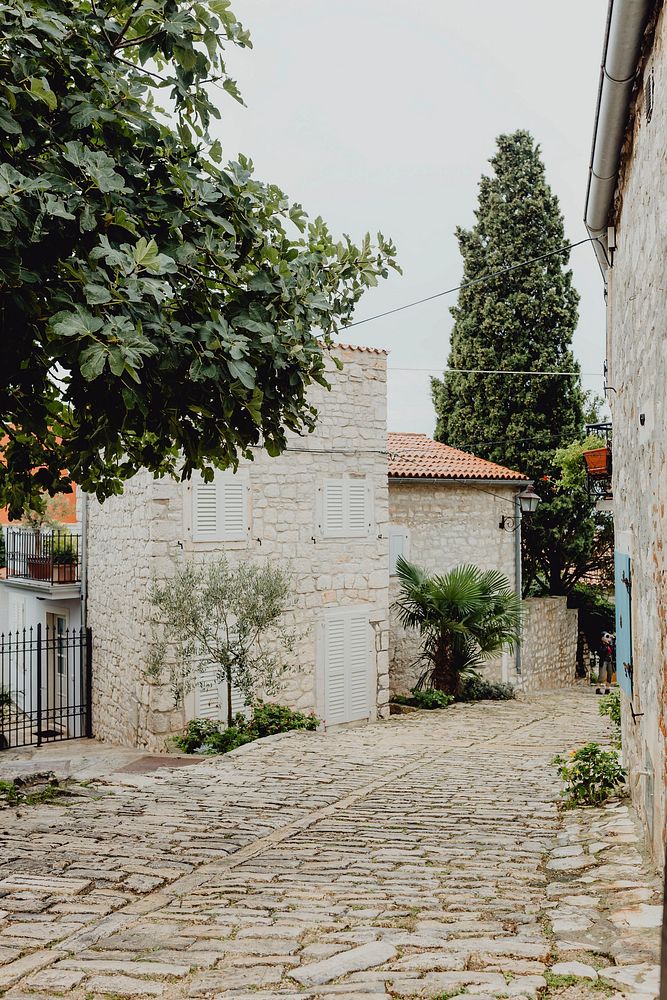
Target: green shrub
x,y
476,688
591,775
610,705
269,718
205,736
430,698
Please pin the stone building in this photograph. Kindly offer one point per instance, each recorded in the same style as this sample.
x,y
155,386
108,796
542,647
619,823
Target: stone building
x,y
445,508
319,510
626,211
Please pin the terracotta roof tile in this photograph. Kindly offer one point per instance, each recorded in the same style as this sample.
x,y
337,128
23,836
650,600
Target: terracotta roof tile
x,y
358,347
416,456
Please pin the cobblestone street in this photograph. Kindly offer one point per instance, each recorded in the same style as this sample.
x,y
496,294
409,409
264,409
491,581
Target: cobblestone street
x,y
424,856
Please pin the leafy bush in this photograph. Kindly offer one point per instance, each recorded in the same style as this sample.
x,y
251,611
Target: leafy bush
x,y
476,688
590,773
204,736
428,698
196,734
610,705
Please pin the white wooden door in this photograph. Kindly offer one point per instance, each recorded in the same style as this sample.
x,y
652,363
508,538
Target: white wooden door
x,y
210,696
346,666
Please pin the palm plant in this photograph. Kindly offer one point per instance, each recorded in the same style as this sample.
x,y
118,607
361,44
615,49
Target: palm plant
x,y
463,617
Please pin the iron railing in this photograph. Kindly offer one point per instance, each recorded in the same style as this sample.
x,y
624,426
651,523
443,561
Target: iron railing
x,y
47,556
45,685
599,462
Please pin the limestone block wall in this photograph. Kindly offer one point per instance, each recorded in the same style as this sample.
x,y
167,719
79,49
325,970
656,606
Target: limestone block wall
x,y
637,357
447,523
549,646
144,534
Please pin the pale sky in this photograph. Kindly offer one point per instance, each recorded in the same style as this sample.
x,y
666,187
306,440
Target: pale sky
x,y
382,115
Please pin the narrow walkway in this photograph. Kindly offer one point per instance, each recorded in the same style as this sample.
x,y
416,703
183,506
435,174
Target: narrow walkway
x,y
420,857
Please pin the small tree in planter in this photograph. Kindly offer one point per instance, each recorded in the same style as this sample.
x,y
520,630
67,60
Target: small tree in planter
x,y
214,613
464,617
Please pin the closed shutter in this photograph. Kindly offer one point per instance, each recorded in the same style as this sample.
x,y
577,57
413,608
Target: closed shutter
x,y
345,508
623,594
334,666
398,546
210,701
220,508
346,666
358,638
333,522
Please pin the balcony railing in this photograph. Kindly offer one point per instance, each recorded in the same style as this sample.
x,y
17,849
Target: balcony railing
x,y
46,556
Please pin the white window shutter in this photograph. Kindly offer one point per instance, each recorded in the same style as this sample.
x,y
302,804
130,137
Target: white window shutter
x,y
205,526
220,508
357,657
345,508
334,666
208,694
346,666
333,514
357,492
233,499
398,546
210,701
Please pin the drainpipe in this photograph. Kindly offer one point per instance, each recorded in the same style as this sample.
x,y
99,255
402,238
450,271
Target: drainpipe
x,y
626,22
517,572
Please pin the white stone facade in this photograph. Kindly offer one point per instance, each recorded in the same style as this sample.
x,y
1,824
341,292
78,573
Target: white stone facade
x,y
637,358
448,523
549,645
142,535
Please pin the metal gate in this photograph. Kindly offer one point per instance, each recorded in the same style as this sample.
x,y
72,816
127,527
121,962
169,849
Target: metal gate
x,y
45,685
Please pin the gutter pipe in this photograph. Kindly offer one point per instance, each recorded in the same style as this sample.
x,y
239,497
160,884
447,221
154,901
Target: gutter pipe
x,y
626,21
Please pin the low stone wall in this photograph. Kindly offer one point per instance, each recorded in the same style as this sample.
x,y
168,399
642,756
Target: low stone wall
x,y
549,649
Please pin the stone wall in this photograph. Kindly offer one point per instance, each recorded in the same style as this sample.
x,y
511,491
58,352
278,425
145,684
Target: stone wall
x,y
448,523
549,646
637,357
142,535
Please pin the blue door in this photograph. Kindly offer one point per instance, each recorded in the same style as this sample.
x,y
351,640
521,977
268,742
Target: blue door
x,y
623,588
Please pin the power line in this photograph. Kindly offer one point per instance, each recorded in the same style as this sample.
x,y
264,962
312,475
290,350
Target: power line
x,y
473,281
490,371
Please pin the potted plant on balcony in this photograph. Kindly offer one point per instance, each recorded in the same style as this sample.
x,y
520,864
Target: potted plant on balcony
x,y
598,462
38,557
63,557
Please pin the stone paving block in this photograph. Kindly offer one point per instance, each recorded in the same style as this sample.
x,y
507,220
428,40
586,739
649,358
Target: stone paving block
x,y
57,979
365,957
124,986
15,971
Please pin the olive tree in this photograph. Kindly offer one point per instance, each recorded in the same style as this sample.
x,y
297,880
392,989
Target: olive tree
x,y
233,617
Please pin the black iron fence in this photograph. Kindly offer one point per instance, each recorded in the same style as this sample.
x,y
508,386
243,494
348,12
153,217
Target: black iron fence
x,y
45,685
49,556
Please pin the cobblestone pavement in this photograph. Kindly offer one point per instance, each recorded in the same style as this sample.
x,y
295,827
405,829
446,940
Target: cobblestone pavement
x,y
423,856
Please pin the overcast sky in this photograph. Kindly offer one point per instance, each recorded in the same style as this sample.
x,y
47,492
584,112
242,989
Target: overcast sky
x,y
378,114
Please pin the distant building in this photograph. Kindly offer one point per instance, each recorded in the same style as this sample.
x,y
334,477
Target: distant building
x,y
626,211
446,507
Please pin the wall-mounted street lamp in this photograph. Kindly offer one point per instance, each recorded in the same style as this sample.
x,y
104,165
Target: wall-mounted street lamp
x,y
528,502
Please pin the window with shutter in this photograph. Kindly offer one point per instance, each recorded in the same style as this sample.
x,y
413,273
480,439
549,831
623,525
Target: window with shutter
x,y
210,696
345,508
346,664
220,508
398,546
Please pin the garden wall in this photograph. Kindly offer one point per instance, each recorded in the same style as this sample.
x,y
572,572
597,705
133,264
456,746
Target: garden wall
x,y
549,649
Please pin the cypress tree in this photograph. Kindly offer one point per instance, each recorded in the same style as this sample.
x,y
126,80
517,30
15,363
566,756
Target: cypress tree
x,y
519,321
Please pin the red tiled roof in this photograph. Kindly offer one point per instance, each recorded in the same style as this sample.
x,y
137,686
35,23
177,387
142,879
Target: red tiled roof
x,y
416,456
358,347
